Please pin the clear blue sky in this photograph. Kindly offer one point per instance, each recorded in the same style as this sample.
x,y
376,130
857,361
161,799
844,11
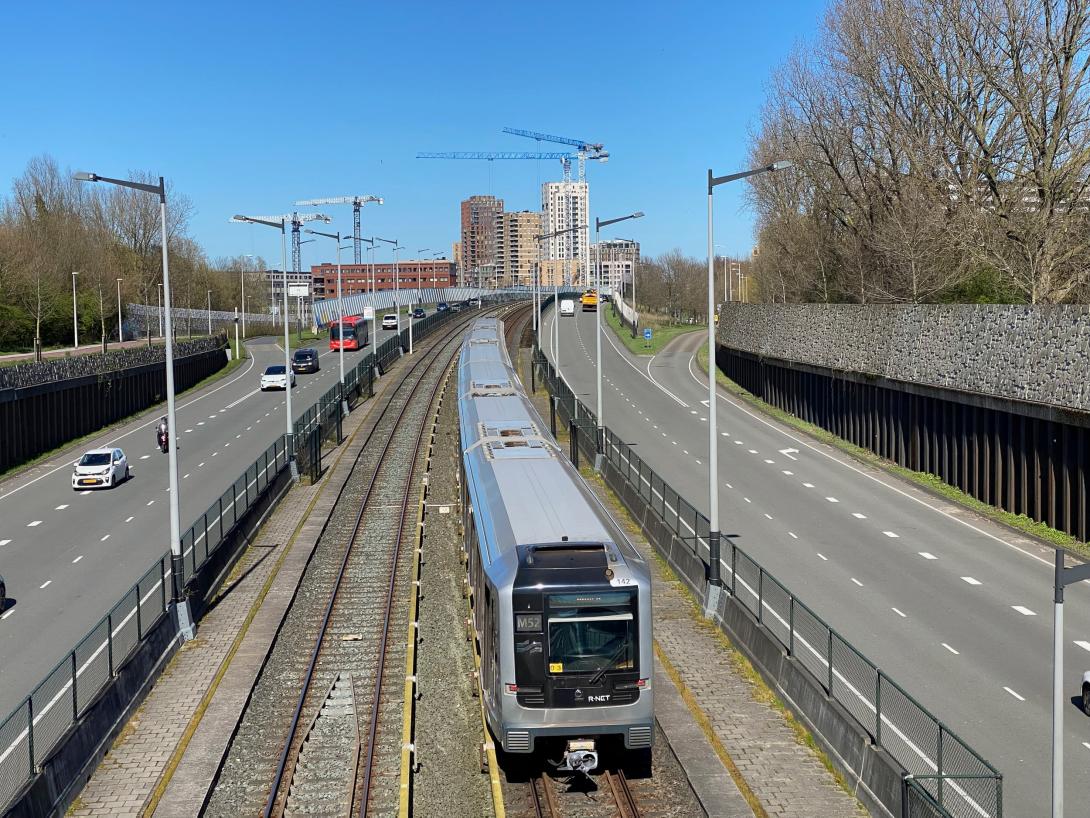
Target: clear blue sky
x,y
247,107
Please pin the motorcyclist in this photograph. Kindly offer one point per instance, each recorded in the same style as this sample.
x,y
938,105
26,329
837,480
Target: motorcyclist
x,y
161,435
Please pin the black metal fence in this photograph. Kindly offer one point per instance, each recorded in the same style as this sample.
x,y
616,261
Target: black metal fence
x,y
1021,457
942,766
34,729
39,413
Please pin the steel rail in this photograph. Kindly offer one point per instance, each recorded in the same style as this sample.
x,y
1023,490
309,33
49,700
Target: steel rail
x,y
312,665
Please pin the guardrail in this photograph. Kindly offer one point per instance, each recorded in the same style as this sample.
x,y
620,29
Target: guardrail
x,y
35,728
941,770
39,725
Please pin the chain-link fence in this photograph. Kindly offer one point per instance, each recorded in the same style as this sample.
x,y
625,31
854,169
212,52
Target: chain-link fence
x,y
956,779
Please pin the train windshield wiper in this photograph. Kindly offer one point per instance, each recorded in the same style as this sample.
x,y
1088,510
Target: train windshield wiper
x,y
610,662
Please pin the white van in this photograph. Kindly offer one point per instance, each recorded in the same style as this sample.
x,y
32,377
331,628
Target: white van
x,y
567,307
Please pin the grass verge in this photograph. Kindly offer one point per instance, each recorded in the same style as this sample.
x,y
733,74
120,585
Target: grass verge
x,y
75,443
663,330
1019,522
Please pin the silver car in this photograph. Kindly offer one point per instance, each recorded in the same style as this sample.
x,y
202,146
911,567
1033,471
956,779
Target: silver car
x,y
100,468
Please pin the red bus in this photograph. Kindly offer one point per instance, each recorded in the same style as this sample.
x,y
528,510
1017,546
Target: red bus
x,y
352,329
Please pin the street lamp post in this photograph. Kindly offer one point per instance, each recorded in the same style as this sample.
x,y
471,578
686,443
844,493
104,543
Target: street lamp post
x,y
209,312
598,225
159,302
289,427
397,280
340,313
556,292
715,578
120,331
371,282
177,566
75,317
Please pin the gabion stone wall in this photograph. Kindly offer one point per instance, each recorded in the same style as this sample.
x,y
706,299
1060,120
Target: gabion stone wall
x,y
1029,353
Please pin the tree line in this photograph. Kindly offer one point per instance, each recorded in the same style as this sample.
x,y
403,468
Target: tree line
x,y
676,285
941,152
52,226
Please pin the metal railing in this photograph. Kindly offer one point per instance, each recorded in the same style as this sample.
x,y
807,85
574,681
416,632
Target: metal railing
x,y
35,728
937,762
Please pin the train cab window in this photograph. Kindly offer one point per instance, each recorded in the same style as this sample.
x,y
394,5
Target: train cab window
x,y
590,634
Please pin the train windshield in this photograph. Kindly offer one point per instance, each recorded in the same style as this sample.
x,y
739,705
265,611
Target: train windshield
x,y
336,331
591,633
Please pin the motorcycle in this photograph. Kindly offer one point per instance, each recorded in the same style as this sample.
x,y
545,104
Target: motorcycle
x,y
162,438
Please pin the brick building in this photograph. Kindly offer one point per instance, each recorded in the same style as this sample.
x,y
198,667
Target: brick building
x,y
478,235
356,278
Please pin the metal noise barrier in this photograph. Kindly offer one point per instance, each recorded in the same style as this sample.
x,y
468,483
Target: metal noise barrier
x,y
943,776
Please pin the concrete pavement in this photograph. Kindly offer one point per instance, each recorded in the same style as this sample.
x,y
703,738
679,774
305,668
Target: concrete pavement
x,y
953,607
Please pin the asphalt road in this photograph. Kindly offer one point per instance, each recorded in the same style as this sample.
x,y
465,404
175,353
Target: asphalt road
x,y
954,608
68,556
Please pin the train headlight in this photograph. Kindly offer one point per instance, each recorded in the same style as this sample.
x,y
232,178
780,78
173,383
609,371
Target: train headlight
x,y
528,622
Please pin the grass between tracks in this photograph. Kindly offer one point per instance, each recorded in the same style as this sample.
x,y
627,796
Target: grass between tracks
x,y
1019,522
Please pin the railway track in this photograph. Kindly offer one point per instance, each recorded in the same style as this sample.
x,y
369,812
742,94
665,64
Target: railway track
x,y
317,751
584,799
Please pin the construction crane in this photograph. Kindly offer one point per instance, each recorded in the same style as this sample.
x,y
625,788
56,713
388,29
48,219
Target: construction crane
x,y
583,150
357,202
296,220
565,158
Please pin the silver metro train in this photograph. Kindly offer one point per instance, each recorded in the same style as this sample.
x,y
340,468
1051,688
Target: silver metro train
x,y
562,601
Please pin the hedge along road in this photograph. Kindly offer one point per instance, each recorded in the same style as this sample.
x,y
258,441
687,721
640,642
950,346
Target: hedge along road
x,y
954,608
67,556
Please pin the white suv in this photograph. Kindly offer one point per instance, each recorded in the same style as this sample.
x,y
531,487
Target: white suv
x,y
100,467
277,377
389,321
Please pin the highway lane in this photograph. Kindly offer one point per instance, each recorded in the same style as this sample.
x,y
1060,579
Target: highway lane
x,y
67,556
953,607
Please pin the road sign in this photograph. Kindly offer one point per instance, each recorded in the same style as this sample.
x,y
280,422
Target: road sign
x,y
647,334
368,313
298,290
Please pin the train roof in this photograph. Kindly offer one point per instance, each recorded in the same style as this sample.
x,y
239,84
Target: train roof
x,y
524,485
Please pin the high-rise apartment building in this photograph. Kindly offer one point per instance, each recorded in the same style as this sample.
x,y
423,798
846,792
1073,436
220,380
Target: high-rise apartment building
x,y
618,257
456,256
478,236
565,205
517,248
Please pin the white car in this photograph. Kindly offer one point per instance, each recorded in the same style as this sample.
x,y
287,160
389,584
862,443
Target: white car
x,y
389,321
100,467
276,377
567,307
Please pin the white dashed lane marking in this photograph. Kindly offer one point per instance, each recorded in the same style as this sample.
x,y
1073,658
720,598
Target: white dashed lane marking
x,y
34,524
823,556
753,451
859,516
1082,644
77,559
857,582
61,507
4,542
1022,609
769,516
105,538
44,584
792,535
956,653
788,473
770,462
145,456
891,534
832,499
129,519
970,580
808,485
150,502
747,499
1020,698
927,555
899,613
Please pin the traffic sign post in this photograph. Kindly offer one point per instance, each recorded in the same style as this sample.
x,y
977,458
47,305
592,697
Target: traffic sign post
x,y
647,337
